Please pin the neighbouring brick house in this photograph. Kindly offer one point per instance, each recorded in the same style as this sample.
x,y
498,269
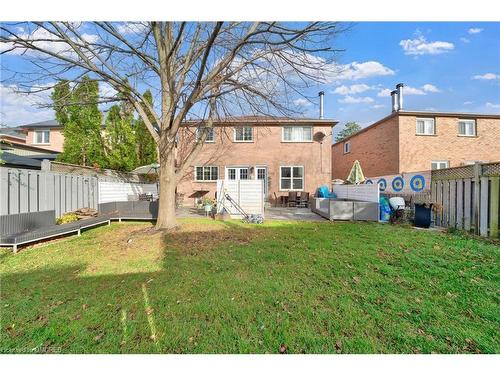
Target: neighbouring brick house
x,y
288,154
408,141
44,134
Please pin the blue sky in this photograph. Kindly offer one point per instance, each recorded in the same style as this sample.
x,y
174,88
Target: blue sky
x,y
445,66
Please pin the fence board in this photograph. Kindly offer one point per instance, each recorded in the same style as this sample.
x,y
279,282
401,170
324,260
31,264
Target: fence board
x,y
23,191
494,203
33,192
439,199
467,204
460,204
446,203
483,207
453,204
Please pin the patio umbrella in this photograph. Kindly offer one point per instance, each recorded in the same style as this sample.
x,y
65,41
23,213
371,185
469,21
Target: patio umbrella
x,y
356,175
147,169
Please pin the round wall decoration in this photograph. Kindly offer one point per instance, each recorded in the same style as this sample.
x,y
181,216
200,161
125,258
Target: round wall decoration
x,y
417,182
368,182
382,184
398,183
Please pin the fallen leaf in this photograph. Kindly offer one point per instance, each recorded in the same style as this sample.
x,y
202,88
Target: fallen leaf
x,y
99,337
283,348
338,346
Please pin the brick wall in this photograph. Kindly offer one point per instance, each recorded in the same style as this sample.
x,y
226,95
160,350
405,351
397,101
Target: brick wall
x,y
417,151
268,150
376,148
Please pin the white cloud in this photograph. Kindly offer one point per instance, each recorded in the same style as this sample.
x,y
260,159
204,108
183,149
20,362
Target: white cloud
x,y
301,102
468,102
474,30
493,105
465,40
430,88
132,27
376,106
106,90
420,46
355,71
18,108
44,40
486,76
353,89
354,100
409,90
384,92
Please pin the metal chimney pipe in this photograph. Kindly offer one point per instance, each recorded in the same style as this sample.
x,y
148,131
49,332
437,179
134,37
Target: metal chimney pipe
x,y
394,96
321,95
399,87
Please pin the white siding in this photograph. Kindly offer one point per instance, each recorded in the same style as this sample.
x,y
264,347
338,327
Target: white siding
x,y
247,193
115,191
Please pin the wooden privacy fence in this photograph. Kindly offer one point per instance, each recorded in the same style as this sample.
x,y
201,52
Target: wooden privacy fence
x,y
469,197
25,190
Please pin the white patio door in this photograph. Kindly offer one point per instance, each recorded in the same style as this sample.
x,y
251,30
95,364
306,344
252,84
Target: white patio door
x,y
261,174
237,173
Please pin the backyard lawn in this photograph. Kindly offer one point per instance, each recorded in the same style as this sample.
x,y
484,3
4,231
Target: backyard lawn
x,y
228,287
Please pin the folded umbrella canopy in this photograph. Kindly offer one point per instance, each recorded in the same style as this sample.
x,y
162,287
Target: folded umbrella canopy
x,y
147,169
356,175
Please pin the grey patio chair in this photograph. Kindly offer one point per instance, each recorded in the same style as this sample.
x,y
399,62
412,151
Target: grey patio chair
x,y
292,199
304,199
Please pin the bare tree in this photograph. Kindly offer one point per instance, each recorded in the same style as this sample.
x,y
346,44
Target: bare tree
x,y
198,71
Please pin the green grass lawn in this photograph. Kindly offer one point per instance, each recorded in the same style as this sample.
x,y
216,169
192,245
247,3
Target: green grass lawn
x,y
227,287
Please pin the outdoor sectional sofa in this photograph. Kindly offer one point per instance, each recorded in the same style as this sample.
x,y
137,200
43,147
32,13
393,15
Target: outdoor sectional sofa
x,y
20,229
343,209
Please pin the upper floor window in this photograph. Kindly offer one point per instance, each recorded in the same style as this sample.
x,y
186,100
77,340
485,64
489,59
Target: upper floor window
x,y
41,136
210,134
206,173
243,134
425,126
439,164
297,134
467,128
347,147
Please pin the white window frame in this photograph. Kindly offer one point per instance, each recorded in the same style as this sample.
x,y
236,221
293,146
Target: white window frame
x,y
199,129
297,127
43,131
347,147
446,162
467,121
425,119
242,141
291,177
238,169
203,173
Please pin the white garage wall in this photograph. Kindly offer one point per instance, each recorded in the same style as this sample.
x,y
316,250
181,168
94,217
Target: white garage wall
x,y
117,191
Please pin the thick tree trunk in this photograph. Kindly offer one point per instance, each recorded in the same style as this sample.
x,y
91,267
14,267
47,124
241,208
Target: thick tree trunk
x,y
167,179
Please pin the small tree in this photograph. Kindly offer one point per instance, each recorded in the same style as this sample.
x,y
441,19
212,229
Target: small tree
x,y
79,114
120,139
146,145
350,128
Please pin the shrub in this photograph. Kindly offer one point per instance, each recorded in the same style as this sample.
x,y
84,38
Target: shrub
x,y
67,218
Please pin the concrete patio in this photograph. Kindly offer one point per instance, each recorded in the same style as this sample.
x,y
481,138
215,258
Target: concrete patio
x,y
271,213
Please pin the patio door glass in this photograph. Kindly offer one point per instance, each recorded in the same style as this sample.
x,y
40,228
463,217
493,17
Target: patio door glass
x,y
237,173
262,175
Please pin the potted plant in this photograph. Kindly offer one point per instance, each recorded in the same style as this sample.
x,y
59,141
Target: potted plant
x,y
208,204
